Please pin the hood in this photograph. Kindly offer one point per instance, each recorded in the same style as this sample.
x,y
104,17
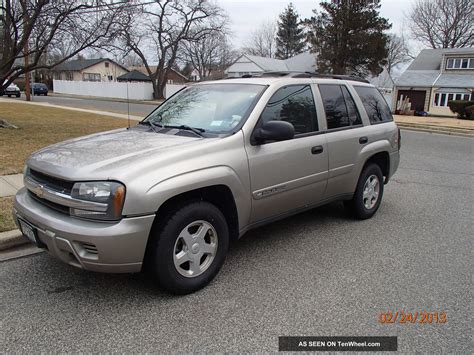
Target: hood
x,y
107,155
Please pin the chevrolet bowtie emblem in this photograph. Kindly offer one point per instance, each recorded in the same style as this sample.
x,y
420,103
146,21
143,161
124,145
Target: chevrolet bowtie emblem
x,y
39,190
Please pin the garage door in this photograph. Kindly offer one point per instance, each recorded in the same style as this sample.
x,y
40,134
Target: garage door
x,y
417,98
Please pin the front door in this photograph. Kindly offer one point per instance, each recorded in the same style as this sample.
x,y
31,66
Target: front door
x,y
292,174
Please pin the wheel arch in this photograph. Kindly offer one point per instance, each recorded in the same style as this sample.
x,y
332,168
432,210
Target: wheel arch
x,y
382,159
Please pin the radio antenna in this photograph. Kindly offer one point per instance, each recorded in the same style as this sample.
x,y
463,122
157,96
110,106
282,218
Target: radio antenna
x,y
128,108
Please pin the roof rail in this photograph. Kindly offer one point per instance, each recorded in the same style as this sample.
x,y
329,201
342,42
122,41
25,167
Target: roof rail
x,y
297,74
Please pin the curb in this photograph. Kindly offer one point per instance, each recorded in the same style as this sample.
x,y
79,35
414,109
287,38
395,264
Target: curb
x,y
440,130
11,239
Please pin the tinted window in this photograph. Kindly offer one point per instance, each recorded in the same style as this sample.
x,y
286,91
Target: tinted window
x,y
374,103
354,117
294,104
334,106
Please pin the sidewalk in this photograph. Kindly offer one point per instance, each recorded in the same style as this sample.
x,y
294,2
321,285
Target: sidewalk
x,y
97,112
10,184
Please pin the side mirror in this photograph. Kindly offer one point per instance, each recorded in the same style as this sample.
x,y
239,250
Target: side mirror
x,y
274,131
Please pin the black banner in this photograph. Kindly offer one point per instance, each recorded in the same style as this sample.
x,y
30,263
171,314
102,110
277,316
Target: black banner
x,y
342,343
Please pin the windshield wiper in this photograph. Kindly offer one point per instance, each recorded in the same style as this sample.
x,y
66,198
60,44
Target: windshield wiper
x,y
152,125
197,131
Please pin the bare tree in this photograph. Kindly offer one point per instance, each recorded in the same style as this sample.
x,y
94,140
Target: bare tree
x,y
211,55
48,33
262,41
159,30
398,52
442,23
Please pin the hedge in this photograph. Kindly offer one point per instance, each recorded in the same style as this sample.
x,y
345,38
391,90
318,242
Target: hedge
x,y
463,109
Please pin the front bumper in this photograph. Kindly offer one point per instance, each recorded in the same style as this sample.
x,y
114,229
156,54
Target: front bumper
x,y
96,246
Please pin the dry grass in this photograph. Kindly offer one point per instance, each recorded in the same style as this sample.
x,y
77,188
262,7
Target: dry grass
x,y
41,126
6,218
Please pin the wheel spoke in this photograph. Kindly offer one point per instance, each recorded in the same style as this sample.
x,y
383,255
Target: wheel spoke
x,y
194,265
208,248
202,232
187,238
182,257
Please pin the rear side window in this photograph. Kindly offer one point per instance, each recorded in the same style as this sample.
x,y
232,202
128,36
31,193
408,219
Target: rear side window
x,y
374,104
339,106
293,104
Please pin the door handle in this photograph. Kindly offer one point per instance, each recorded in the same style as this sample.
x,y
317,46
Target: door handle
x,y
363,140
317,149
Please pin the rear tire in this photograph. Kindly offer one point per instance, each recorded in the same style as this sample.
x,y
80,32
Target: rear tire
x,y
368,194
189,248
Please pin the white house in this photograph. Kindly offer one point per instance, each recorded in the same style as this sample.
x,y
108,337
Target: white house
x,y
436,77
255,65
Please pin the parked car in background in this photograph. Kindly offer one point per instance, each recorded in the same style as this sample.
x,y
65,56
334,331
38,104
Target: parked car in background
x,y
11,90
215,160
39,89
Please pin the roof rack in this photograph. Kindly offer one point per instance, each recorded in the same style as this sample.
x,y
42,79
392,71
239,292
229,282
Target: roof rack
x,y
296,74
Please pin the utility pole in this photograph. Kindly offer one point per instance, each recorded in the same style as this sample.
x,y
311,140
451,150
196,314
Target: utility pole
x,y
25,53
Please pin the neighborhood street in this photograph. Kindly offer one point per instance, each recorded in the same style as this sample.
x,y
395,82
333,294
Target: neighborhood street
x,y
319,273
136,109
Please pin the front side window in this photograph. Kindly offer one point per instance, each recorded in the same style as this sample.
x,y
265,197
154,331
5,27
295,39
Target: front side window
x,y
293,104
211,108
374,104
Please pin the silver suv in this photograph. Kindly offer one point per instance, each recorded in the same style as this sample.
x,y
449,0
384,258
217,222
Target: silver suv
x,y
212,162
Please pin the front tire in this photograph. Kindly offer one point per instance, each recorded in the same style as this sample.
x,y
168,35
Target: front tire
x,y
368,194
189,248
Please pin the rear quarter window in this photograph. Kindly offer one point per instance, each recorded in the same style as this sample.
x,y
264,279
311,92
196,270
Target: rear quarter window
x,y
374,104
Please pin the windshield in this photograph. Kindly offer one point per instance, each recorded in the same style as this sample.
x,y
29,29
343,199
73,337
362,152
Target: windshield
x,y
212,108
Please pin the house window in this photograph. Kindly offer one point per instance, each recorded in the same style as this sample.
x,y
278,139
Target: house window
x,y
106,64
110,77
460,63
441,100
91,77
170,81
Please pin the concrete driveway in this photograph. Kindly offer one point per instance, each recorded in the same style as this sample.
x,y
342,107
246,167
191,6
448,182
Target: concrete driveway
x,y
318,273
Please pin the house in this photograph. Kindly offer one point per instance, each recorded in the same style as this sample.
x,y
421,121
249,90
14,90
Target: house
x,y
255,65
435,77
384,82
134,75
101,69
174,77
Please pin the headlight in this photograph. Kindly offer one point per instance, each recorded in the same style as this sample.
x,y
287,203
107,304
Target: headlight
x,y
106,192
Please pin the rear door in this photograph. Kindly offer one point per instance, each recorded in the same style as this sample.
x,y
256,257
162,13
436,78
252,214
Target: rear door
x,y
346,136
292,174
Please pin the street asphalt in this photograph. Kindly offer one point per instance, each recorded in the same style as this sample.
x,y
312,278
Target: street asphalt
x,y
319,273
136,109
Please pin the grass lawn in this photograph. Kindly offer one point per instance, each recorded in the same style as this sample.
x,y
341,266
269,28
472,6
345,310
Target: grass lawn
x,y
41,126
6,218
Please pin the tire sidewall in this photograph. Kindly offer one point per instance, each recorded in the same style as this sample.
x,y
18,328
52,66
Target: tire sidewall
x,y
167,275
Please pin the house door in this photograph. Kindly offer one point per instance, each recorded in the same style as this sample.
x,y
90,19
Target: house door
x,y
417,98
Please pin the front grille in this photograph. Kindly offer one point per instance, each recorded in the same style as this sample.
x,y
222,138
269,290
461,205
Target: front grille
x,y
55,206
51,182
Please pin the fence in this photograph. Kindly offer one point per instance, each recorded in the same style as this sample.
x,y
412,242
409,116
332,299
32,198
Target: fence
x,y
136,91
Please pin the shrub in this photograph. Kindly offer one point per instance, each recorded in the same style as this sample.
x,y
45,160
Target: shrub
x,y
470,112
459,107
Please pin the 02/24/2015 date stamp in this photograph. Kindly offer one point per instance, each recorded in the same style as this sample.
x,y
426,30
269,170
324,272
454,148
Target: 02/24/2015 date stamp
x,y
417,317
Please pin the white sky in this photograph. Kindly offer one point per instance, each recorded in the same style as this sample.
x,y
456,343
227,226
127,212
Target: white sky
x,y
246,15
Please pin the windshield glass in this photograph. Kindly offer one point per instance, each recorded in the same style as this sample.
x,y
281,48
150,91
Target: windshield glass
x,y
213,108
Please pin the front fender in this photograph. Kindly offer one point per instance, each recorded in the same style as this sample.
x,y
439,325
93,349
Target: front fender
x,y
159,193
